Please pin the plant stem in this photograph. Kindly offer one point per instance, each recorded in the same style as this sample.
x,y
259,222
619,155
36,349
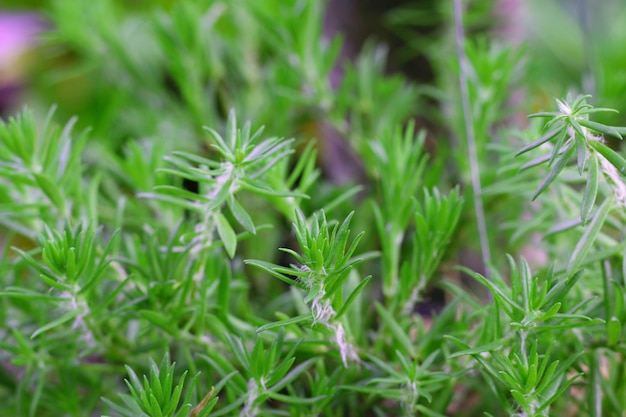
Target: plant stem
x,y
471,136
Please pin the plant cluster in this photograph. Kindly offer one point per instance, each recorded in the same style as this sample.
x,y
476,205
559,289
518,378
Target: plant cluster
x,y
162,258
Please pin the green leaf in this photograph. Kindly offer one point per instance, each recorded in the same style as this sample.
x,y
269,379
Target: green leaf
x,y
598,127
50,188
53,282
194,158
503,300
490,347
613,157
221,196
257,360
595,382
270,268
556,169
531,381
278,372
535,162
586,241
592,110
294,373
353,295
55,323
227,234
581,153
161,321
545,138
342,198
546,378
182,203
399,334
559,392
261,188
552,311
242,216
577,128
613,331
519,398
294,399
618,306
25,293
562,227
544,114
591,189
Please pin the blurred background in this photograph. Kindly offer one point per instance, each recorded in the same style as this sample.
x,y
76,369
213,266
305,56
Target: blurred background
x,y
569,44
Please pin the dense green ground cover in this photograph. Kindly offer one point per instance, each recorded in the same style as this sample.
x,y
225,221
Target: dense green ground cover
x,y
207,226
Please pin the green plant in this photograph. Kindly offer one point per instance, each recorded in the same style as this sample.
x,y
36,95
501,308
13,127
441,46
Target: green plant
x,y
227,268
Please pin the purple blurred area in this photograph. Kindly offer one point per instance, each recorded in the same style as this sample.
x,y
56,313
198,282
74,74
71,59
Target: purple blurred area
x,y
18,33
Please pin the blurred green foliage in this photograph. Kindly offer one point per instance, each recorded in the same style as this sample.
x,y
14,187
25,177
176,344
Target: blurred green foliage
x,y
141,218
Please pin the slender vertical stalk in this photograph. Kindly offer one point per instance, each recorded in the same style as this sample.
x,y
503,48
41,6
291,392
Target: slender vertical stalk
x,y
471,136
